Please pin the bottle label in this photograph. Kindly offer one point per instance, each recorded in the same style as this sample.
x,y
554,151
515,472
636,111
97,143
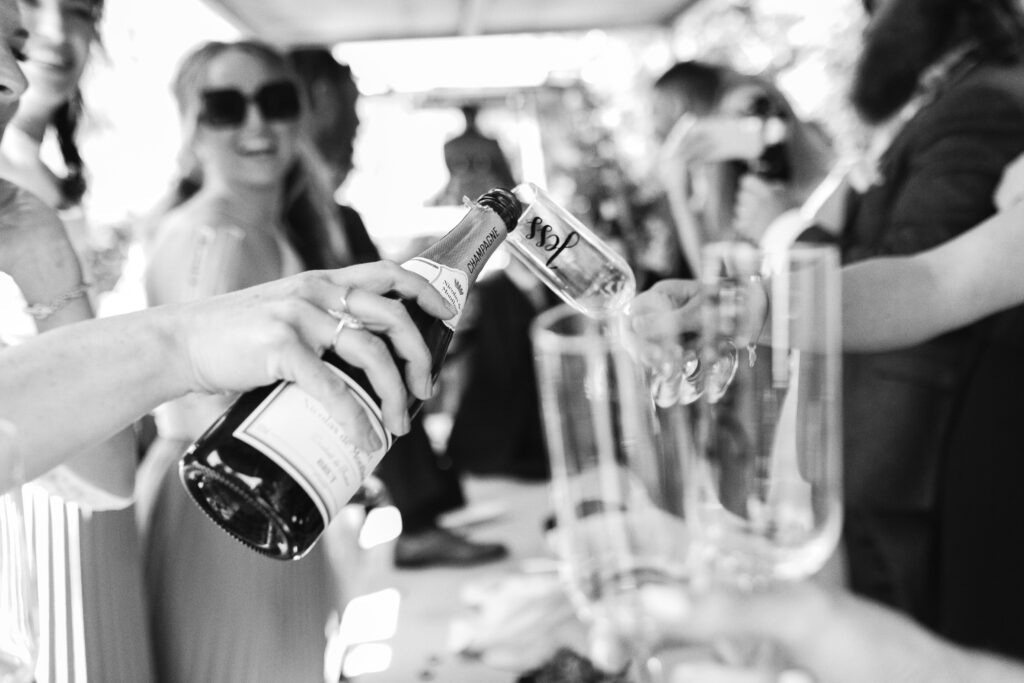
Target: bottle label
x,y
295,431
452,283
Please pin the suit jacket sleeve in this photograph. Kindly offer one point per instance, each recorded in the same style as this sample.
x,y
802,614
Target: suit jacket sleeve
x,y
944,173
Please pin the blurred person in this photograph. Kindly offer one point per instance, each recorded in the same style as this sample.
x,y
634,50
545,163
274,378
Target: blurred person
x,y
245,209
734,155
495,429
929,445
475,162
891,302
930,431
687,91
90,586
420,487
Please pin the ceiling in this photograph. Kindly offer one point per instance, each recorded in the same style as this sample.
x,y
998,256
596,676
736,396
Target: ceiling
x,y
326,22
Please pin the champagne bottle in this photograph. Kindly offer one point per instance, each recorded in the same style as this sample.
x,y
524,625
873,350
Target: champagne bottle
x,y
275,468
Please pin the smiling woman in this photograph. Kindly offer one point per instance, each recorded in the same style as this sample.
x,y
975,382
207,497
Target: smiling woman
x,y
246,208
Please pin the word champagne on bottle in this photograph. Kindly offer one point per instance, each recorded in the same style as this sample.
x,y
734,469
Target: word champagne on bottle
x,y
275,468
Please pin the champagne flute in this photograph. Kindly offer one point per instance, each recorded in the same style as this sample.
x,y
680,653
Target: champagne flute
x,y
578,266
617,464
765,502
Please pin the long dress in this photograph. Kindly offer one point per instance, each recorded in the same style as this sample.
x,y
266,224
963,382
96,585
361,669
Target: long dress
x,y
220,612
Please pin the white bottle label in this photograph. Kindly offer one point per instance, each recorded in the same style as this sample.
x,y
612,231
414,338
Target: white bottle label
x,y
452,283
295,431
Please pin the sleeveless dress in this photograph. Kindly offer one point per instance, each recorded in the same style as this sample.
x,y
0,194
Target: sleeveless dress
x,y
222,613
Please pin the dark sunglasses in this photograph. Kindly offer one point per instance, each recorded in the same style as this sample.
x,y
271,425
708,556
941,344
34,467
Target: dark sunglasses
x,y
225,107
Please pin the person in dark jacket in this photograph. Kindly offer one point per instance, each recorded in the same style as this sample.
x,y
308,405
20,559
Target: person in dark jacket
x,y
929,446
419,483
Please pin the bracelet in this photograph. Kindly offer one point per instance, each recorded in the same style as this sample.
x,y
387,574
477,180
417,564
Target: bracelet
x,y
44,311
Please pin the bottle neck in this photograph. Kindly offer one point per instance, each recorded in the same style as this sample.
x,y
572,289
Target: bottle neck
x,y
469,244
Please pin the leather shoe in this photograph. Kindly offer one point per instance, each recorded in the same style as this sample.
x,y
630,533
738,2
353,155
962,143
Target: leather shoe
x,y
439,547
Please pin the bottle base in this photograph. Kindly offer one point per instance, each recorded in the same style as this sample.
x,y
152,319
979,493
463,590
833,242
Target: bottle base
x,y
233,508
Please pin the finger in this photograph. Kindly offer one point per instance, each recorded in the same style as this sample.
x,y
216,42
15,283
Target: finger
x,y
383,277
668,309
655,326
698,149
298,363
390,317
676,291
754,185
677,137
369,353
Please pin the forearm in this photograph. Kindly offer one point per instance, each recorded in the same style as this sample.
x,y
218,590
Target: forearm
x,y
71,388
889,303
984,667
898,301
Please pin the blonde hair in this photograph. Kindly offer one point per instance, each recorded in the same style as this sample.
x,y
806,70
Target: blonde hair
x,y
310,214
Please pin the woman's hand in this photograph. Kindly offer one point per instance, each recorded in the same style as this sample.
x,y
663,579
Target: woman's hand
x,y
278,330
714,138
666,310
659,325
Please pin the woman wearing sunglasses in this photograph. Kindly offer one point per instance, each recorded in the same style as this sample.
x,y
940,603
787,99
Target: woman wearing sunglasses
x,y
91,616
246,208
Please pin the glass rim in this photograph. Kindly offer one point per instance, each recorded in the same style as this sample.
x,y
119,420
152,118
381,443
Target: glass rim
x,y
585,340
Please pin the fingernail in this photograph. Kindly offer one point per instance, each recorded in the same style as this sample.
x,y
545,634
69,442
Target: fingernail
x,y
428,388
372,440
451,307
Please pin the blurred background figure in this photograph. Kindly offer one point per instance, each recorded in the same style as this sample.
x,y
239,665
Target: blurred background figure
x,y
91,611
419,483
734,154
494,409
928,437
475,162
245,209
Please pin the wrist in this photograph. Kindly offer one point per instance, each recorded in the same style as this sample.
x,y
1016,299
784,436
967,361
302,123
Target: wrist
x,y
166,333
960,666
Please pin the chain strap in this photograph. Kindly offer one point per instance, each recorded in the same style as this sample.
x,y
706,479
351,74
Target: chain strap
x,y
44,311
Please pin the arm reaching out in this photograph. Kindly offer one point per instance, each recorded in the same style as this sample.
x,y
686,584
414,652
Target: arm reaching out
x,y
834,636
891,302
76,385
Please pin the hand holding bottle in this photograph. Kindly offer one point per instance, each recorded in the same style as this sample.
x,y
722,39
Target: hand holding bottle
x,y
276,331
280,463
